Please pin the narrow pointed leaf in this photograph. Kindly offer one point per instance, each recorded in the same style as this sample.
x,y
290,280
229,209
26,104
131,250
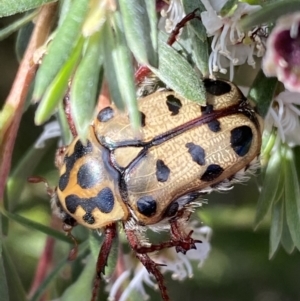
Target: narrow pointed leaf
x,y
110,71
23,170
56,271
23,38
16,290
125,74
276,227
95,242
262,92
178,74
57,89
286,239
292,196
200,54
64,126
7,31
271,189
270,13
229,8
85,85
12,7
191,5
36,226
61,47
152,15
80,290
3,280
138,31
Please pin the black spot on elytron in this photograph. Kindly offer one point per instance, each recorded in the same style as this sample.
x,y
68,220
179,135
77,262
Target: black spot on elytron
x,y
216,87
197,153
89,174
172,209
105,114
146,205
207,109
104,201
143,119
174,104
63,181
241,139
214,125
212,172
88,218
80,150
162,171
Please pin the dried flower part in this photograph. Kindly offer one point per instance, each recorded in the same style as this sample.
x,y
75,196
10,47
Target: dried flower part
x,y
282,57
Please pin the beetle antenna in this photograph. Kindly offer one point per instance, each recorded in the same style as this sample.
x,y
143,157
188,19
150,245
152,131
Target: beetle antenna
x,y
38,179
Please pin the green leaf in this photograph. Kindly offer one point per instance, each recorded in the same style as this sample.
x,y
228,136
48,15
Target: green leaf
x,y
80,290
66,134
270,13
23,38
138,30
4,221
125,76
110,70
152,15
23,170
272,187
85,85
12,7
3,280
61,48
178,74
36,226
262,92
95,242
15,288
56,271
268,142
200,52
229,8
292,195
7,31
286,239
190,5
57,89
276,227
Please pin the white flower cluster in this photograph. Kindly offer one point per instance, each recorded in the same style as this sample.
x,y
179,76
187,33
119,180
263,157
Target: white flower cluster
x,y
230,45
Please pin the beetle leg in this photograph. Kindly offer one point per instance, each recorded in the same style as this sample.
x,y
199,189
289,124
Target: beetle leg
x,y
110,233
59,157
134,240
181,24
182,240
151,267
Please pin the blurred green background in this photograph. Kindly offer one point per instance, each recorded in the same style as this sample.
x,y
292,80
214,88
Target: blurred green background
x,y
237,269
